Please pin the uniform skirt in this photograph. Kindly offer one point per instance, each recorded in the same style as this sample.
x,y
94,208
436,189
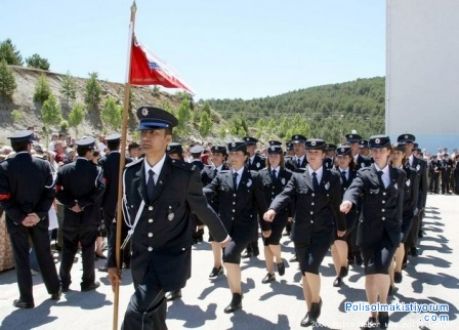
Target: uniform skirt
x,y
378,257
311,254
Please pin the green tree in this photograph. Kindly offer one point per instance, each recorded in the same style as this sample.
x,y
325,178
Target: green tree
x,y
38,62
17,116
7,81
9,53
68,88
184,112
205,124
51,114
111,114
64,126
42,90
76,116
92,92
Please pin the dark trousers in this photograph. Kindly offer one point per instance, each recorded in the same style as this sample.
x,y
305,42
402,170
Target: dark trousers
x,y
85,235
434,183
147,308
412,239
20,240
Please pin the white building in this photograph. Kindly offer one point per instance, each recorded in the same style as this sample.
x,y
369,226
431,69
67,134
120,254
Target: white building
x,y
422,72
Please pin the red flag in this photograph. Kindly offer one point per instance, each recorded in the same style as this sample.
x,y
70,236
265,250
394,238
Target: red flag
x,y
146,69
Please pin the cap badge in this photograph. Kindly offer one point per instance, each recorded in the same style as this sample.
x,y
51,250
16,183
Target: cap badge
x,y
144,112
377,141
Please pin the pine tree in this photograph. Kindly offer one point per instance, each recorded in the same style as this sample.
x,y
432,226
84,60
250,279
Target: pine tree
x,y
9,53
111,114
38,62
7,81
68,88
42,90
92,92
76,116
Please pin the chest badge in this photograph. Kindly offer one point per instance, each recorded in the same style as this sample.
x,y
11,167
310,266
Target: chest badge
x,y
258,165
249,183
283,181
171,214
327,185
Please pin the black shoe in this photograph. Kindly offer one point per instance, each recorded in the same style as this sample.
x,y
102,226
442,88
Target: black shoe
x,y
414,252
293,259
172,295
358,260
57,295
370,324
312,316
397,277
23,304
90,287
65,287
337,282
215,273
270,277
281,268
343,271
103,268
420,234
255,252
383,319
392,290
235,304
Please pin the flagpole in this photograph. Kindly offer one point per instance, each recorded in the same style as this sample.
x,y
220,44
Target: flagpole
x,y
119,214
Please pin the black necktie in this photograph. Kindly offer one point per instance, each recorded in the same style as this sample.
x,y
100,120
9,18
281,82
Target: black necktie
x,y
150,184
298,162
273,175
381,182
235,180
315,182
343,176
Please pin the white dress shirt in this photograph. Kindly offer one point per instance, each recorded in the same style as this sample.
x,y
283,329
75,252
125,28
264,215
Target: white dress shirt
x,y
156,169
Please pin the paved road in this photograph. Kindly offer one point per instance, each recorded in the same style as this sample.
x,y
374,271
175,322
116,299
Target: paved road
x,y
432,279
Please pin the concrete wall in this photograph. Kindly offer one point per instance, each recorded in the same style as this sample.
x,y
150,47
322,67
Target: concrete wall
x,y
422,84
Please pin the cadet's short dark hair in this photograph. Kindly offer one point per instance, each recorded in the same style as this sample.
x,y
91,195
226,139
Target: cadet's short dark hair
x,y
19,146
81,151
113,144
133,145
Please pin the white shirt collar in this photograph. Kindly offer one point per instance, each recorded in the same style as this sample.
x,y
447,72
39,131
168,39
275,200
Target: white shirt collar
x,y
299,158
411,159
385,170
239,172
275,169
156,168
219,168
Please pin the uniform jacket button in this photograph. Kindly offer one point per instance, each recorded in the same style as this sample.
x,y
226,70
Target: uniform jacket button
x,y
150,208
312,221
150,220
150,249
150,234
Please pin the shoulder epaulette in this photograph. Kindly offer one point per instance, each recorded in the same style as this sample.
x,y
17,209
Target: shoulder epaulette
x,y
135,162
183,165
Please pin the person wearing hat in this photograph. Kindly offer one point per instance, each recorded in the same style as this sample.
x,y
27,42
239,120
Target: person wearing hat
x,y
434,175
410,209
344,248
360,161
445,173
379,190
110,164
175,151
316,195
274,178
26,195
254,162
196,152
80,188
420,165
217,159
240,198
298,162
364,148
329,161
456,174
159,194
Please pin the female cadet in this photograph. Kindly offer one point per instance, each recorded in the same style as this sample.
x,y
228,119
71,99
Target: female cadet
x,y
274,178
380,189
239,195
316,194
399,160
342,245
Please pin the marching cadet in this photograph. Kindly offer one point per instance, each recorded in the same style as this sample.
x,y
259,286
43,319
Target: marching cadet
x,y
329,161
354,141
298,162
196,153
239,196
110,164
80,189
410,209
158,197
26,195
217,158
316,195
434,175
456,174
420,165
274,178
445,171
289,152
175,151
381,191
345,246
254,162
364,149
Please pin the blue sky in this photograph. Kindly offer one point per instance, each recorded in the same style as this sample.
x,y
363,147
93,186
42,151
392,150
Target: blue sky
x,y
222,49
